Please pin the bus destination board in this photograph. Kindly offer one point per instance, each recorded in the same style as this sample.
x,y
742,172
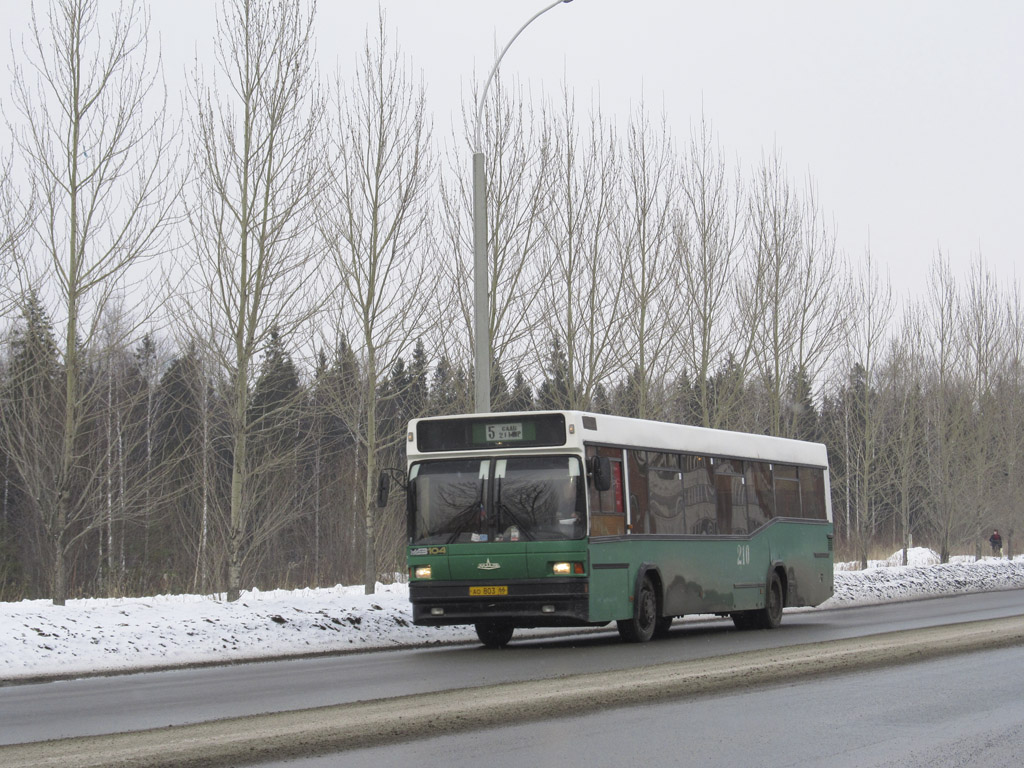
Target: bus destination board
x,y
463,434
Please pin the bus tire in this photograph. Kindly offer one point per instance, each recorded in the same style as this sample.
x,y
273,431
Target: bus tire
x,y
770,616
641,627
494,634
663,625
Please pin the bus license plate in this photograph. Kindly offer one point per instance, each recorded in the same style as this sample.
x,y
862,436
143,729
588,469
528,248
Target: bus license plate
x,y
487,591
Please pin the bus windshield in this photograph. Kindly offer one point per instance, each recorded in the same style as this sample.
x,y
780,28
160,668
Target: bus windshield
x,y
520,498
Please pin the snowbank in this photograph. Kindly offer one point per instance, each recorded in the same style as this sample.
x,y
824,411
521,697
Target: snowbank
x,y
40,639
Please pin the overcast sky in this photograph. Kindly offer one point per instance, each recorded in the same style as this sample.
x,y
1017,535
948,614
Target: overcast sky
x,y
908,115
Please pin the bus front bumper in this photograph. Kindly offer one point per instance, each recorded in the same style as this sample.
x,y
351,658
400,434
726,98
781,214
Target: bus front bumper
x,y
528,603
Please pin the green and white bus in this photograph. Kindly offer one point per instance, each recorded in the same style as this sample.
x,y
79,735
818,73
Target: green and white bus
x,y
563,518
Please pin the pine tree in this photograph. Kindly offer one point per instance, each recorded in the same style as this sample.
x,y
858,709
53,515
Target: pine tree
x,y
185,428
419,388
803,421
277,389
30,432
521,396
500,396
554,391
444,395
277,442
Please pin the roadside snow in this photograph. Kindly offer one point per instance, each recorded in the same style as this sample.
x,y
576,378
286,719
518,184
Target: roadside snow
x,y
38,639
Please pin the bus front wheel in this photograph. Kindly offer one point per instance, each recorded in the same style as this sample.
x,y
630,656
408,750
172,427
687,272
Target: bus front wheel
x,y
641,627
494,635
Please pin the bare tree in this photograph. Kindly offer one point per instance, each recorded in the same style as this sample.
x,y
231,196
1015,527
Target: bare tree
x,y
1010,394
16,218
947,409
792,297
582,292
983,346
651,301
873,308
901,383
706,240
252,265
98,154
376,220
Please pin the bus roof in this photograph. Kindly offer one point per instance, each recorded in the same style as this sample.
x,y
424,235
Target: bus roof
x,y
663,436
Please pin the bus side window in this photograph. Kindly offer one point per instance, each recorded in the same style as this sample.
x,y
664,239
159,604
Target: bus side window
x,y
607,509
730,502
699,496
666,512
812,492
787,491
638,496
760,498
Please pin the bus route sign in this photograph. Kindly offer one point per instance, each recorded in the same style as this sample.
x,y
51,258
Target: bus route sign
x,y
504,432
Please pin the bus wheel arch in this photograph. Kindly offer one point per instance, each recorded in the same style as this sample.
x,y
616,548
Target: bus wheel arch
x,y
647,603
770,615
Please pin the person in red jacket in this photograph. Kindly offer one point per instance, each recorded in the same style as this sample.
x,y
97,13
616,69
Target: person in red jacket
x,y
997,543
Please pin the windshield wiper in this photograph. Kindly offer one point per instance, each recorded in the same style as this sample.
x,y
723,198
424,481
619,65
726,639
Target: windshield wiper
x,y
462,520
503,509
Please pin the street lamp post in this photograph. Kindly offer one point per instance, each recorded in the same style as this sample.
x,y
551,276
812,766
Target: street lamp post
x,y
481,335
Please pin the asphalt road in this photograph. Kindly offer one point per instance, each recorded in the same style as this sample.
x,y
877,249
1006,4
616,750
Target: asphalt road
x,y
101,705
810,646
967,711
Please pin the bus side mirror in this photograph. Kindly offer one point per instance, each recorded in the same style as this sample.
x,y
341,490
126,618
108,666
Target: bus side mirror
x,y
601,471
383,488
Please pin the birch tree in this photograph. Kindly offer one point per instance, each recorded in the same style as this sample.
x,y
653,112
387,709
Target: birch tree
x,y
251,268
92,134
376,220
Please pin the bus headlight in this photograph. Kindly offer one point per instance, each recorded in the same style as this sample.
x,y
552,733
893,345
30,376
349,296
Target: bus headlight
x,y
421,572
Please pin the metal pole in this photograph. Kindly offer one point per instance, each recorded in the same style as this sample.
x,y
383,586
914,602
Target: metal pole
x,y
481,315
481,330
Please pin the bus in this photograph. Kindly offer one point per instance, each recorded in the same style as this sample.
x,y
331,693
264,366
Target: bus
x,y
566,518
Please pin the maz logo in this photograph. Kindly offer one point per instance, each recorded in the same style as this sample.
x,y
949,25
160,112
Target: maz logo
x,y
488,566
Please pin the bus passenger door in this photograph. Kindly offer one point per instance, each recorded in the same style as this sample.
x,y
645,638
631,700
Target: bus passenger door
x,y
607,508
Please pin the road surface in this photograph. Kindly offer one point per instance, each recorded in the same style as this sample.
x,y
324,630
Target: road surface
x,y
604,673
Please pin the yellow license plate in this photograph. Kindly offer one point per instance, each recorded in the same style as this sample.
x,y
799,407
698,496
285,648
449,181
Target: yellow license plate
x,y
487,591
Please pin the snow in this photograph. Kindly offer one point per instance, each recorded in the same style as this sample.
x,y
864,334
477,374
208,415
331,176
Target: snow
x,y
40,640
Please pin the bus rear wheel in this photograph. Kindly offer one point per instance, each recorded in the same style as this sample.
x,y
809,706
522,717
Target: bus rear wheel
x,y
493,634
771,615
641,627
768,617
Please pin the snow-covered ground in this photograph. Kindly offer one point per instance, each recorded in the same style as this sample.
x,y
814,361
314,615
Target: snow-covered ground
x,y
38,639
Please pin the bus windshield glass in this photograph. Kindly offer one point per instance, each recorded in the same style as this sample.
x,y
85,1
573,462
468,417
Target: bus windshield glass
x,y
521,498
